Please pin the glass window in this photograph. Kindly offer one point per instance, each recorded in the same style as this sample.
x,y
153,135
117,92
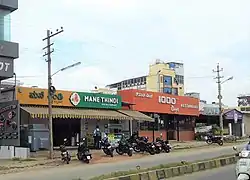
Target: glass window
x,y
5,25
167,90
167,80
175,91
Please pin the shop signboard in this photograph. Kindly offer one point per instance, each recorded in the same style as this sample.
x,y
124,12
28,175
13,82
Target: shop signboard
x,y
95,100
233,114
210,110
9,123
38,96
161,102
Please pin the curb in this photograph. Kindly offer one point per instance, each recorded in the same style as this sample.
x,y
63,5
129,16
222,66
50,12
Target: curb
x,y
179,170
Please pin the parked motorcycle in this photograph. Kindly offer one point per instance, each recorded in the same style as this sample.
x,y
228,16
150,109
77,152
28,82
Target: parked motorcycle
x,y
158,147
64,152
106,147
144,146
124,147
83,153
242,169
165,146
214,139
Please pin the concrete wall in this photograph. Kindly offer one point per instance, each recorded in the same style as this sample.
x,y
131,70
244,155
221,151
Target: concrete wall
x,y
11,5
246,119
9,49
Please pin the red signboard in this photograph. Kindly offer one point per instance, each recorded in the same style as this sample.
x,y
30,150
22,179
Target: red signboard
x,y
154,102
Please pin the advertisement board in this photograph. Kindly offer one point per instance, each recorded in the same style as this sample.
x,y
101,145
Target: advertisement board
x,y
38,96
161,102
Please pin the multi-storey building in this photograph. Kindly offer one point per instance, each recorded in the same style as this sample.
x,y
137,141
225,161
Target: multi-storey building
x,y
8,49
166,77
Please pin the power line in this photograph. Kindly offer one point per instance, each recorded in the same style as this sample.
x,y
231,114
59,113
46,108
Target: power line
x,y
218,78
51,89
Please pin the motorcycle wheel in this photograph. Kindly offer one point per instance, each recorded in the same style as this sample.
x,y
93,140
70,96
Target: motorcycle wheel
x,y
67,160
79,157
87,161
209,141
118,151
130,153
157,151
220,143
151,151
167,150
111,154
137,148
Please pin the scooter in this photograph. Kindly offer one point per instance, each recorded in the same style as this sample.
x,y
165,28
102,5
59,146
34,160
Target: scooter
x,y
242,169
83,153
106,147
64,153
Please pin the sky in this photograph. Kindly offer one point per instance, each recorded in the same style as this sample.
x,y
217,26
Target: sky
x,y
118,39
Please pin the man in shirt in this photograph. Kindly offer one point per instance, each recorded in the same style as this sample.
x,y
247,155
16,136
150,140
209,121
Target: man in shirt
x,y
97,137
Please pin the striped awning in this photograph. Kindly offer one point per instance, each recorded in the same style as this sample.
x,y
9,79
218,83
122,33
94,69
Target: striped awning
x,y
136,115
57,112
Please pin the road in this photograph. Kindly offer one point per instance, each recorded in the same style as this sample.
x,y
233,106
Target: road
x,y
224,173
87,171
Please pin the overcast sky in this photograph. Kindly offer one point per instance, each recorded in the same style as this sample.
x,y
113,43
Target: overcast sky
x,y
118,39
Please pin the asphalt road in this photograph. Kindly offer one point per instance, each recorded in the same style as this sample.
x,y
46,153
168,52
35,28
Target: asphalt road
x,y
86,171
224,173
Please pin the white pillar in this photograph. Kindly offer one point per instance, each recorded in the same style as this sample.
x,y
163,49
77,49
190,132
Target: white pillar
x,y
243,129
230,129
131,127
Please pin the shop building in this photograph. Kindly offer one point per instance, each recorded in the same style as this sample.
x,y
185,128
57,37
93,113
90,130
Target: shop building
x,y
75,114
174,115
166,77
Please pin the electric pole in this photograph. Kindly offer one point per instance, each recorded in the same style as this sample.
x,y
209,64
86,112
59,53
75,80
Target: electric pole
x,y
51,89
218,78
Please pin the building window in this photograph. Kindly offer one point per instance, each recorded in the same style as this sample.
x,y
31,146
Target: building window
x,y
167,90
167,80
175,91
179,79
5,25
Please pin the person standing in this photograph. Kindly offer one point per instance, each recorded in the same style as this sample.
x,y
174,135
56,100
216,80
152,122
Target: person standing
x,y
97,137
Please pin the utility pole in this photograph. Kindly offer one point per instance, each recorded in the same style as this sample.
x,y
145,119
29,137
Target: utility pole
x,y
51,89
219,77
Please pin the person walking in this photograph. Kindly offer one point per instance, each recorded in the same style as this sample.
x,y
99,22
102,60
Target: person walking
x,y
97,137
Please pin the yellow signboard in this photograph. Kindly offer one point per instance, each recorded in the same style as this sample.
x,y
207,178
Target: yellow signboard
x,y
38,96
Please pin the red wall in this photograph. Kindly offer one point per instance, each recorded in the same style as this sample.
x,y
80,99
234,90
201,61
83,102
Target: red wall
x,y
184,135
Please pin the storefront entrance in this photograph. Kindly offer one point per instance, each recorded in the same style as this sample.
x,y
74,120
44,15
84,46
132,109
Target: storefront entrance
x,y
66,128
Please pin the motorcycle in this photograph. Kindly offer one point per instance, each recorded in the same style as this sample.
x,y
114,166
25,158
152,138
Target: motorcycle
x,y
158,147
83,153
242,169
124,147
164,145
143,145
64,152
106,147
214,139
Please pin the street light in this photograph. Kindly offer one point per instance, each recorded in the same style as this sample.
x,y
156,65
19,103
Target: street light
x,y
220,102
159,84
67,67
228,79
51,90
